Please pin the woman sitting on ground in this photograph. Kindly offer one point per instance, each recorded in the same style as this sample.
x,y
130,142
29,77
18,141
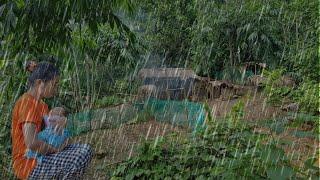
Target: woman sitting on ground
x,y
69,161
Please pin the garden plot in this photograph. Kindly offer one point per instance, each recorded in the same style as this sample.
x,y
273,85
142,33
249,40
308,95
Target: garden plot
x,y
112,146
120,138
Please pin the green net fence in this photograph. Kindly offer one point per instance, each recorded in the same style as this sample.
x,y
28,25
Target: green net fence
x,y
100,118
181,113
79,122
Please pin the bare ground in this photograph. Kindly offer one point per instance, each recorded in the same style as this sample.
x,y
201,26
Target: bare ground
x,y
255,108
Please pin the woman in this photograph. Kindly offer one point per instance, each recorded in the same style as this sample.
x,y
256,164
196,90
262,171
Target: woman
x,y
67,162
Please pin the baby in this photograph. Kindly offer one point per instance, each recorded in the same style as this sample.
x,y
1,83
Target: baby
x,y
54,133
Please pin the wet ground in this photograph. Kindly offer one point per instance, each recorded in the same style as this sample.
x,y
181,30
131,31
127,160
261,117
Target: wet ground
x,y
114,145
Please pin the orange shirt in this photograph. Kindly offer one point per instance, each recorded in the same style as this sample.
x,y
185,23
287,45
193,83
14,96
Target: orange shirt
x,y
26,109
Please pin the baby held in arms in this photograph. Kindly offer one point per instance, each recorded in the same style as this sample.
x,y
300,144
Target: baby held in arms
x,y
54,133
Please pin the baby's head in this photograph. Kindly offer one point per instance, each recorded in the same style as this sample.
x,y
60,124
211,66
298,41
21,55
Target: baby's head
x,y
57,111
53,116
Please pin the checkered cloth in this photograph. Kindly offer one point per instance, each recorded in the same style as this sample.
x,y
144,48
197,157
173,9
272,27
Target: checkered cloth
x,y
67,164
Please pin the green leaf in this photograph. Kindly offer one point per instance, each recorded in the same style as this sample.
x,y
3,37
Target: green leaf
x,y
302,134
309,163
272,154
284,172
138,172
229,175
20,3
2,9
207,158
201,178
130,176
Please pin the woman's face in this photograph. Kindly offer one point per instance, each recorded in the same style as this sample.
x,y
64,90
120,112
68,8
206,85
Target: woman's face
x,y
49,88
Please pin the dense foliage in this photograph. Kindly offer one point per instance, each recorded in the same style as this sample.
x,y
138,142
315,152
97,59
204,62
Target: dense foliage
x,y
35,25
167,28
305,94
211,36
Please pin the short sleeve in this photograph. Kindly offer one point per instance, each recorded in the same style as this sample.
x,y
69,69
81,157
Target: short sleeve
x,y
46,120
29,113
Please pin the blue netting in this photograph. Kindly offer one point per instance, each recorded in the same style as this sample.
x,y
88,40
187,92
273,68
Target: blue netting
x,y
79,122
183,113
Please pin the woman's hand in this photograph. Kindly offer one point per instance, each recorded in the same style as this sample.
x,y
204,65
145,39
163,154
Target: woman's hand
x,y
31,141
64,145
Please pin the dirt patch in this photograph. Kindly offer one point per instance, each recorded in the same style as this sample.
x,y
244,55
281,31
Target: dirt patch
x,y
112,146
299,149
256,107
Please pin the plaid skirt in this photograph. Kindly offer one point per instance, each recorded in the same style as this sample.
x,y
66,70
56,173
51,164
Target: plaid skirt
x,y
67,164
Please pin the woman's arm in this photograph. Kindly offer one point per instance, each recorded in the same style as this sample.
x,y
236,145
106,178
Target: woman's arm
x,y
31,141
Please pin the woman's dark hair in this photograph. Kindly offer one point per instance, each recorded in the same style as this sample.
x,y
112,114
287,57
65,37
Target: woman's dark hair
x,y
44,71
